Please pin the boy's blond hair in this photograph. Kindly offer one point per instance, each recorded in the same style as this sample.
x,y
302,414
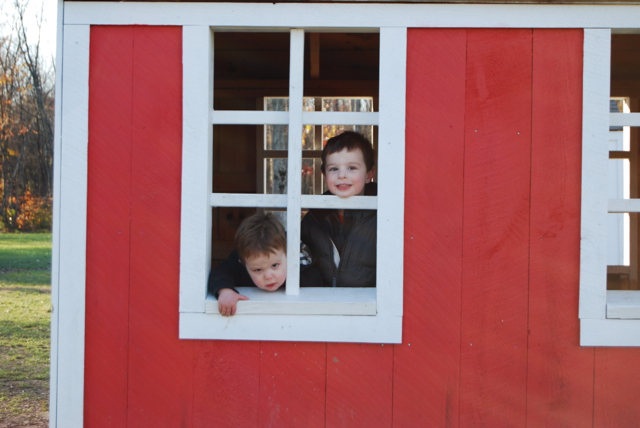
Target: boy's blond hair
x,y
260,235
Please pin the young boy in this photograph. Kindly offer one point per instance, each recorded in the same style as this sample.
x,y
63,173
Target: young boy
x,y
343,242
260,260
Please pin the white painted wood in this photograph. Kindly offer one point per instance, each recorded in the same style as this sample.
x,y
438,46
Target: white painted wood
x,y
310,301
71,246
595,128
318,17
391,150
231,117
197,152
55,256
623,304
331,201
624,205
339,118
624,119
294,161
246,200
603,332
310,328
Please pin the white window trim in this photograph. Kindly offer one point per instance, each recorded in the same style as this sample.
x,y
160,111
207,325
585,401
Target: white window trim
x,y
602,311
350,315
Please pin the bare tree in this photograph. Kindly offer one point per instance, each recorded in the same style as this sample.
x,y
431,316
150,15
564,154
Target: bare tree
x,y
26,124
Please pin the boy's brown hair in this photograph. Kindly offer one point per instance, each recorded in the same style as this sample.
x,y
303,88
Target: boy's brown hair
x,y
258,235
351,141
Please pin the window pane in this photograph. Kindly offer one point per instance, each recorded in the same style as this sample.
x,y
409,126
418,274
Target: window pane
x,y
347,105
276,176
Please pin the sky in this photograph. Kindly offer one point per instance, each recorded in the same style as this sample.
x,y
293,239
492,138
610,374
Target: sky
x,y
48,31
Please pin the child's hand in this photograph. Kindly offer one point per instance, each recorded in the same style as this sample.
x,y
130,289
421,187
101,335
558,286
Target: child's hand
x,y
227,300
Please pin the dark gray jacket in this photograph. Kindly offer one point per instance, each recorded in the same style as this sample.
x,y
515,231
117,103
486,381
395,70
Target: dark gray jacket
x,y
354,239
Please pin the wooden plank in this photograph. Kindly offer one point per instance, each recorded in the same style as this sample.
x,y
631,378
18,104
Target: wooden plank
x,y
294,161
292,384
616,387
623,206
197,171
314,49
624,119
339,118
493,372
69,309
560,373
226,384
597,332
310,328
623,304
339,18
108,225
351,370
310,301
427,364
234,117
391,156
160,365
593,212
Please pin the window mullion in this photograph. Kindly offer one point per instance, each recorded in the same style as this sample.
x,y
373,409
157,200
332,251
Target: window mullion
x,y
294,166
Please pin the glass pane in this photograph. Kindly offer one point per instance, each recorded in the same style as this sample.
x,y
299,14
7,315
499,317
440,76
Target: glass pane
x,y
275,176
308,176
276,136
350,105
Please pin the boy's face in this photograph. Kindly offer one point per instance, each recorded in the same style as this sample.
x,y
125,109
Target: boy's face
x,y
268,271
346,173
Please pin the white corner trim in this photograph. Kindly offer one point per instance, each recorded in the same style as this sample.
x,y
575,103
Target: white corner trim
x,y
324,16
595,126
55,256
70,246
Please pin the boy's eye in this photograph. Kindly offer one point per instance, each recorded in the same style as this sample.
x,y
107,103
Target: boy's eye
x,y
333,168
257,270
353,168
275,265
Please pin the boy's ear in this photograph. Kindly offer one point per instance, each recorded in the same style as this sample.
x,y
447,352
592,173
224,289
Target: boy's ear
x,y
370,175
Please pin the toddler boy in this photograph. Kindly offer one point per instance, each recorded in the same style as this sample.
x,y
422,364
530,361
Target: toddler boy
x,y
260,260
343,242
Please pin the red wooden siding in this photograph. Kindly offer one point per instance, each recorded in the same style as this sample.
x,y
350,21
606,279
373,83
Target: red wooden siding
x,y
491,256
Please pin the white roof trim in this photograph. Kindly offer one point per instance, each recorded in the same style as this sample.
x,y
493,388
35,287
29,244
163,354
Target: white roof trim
x,y
365,16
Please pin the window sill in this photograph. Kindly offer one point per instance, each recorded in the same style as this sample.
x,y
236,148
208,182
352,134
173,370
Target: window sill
x,y
311,301
623,304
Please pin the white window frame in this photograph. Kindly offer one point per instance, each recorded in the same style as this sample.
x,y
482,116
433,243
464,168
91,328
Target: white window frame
x,y
607,317
323,314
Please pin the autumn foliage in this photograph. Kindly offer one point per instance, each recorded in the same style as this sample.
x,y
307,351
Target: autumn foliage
x,y
26,131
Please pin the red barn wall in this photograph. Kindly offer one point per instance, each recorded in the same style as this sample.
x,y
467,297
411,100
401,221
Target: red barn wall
x,y
492,231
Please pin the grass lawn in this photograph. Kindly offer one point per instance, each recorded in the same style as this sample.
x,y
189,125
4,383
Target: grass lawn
x,y
25,312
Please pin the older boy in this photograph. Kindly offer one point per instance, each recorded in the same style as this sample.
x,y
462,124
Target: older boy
x,y
343,242
260,260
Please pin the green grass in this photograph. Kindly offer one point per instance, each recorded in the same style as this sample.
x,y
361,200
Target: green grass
x,y
25,311
25,251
